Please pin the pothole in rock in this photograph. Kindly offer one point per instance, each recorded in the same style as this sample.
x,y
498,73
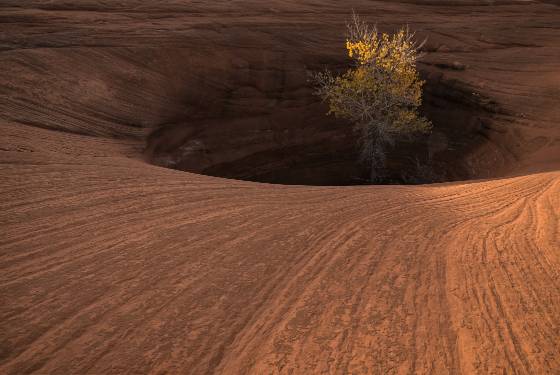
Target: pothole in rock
x,y
265,125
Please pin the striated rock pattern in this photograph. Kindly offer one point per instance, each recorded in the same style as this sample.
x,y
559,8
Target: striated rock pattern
x,y
110,264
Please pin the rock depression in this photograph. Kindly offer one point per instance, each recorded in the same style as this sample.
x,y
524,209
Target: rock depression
x,y
112,264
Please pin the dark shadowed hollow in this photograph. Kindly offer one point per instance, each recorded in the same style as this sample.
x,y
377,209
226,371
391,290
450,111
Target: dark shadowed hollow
x,y
264,124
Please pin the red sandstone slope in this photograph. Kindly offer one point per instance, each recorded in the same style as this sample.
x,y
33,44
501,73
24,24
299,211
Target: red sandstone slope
x,y
112,265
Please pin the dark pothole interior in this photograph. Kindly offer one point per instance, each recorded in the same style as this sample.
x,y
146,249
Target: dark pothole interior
x,y
261,122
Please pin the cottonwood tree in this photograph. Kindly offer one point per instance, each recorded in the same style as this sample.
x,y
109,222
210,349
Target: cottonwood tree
x,y
380,93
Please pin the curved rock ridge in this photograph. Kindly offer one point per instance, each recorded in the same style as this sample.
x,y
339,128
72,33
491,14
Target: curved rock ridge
x,y
110,264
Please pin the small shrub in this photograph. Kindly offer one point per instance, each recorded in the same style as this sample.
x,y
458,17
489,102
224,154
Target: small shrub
x,y
380,93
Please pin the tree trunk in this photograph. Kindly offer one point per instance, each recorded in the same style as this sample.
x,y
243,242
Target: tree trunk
x,y
372,171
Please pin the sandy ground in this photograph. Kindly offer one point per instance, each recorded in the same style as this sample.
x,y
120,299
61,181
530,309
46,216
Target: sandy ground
x,y
110,265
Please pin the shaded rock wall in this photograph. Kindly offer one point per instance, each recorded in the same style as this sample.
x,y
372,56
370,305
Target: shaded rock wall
x,y
227,95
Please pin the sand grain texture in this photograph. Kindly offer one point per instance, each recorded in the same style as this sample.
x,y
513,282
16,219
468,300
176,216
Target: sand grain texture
x,y
111,265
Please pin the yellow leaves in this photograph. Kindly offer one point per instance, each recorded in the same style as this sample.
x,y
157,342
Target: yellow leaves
x,y
362,51
387,52
383,87
380,94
